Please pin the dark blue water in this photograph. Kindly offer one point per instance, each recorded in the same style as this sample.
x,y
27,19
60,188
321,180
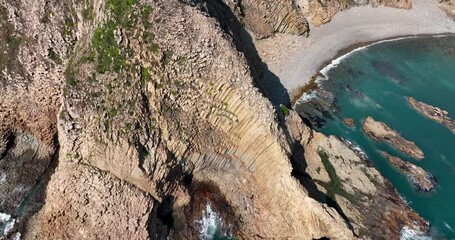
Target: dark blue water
x,y
375,82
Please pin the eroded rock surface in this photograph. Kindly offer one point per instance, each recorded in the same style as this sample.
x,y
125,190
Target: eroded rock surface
x,y
448,6
381,132
420,178
129,117
338,172
434,113
320,12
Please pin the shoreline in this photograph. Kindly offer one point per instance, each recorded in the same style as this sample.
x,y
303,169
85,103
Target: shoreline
x,y
345,52
326,66
354,28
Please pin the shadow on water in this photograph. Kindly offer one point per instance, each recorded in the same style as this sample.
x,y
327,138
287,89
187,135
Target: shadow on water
x,y
264,79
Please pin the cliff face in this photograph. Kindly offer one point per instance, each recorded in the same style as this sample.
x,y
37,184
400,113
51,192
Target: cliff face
x,y
130,118
320,12
448,6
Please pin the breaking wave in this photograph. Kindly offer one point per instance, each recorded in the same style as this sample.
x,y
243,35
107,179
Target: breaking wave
x,y
6,224
408,233
211,226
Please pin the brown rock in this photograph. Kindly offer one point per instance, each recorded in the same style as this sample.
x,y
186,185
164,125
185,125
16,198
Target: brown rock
x,y
417,175
349,122
343,173
434,113
381,132
320,12
448,6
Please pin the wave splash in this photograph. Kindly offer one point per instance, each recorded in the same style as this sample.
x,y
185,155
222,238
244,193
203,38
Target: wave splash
x,y
211,226
6,224
408,233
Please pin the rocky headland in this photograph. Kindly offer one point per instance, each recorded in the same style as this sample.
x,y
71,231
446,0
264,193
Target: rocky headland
x,y
127,119
434,113
337,172
381,132
421,179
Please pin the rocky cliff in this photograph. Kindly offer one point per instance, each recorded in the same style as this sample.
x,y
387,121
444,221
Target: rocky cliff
x,y
131,118
448,6
320,12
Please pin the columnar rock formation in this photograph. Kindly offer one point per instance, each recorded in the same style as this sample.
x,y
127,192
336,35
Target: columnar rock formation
x,y
320,12
127,117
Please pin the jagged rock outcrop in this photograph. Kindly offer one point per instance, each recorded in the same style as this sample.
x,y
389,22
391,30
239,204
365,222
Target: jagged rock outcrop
x,y
92,205
339,173
420,178
448,6
381,132
29,86
265,17
157,116
320,12
183,104
434,113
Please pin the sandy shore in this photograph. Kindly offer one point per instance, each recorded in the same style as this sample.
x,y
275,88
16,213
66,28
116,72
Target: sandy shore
x,y
295,65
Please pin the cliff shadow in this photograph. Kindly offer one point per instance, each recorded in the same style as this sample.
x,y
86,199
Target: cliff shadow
x,y
299,166
265,80
25,175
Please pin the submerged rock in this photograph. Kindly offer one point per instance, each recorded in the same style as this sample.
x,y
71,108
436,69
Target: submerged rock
x,y
420,178
434,113
349,122
381,132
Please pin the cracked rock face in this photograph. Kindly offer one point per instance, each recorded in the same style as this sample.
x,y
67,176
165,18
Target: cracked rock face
x,y
338,173
320,12
448,6
128,117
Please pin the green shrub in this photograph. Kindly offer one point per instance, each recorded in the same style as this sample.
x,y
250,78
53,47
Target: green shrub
x,y
284,110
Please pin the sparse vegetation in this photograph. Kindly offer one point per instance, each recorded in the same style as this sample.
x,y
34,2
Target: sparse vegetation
x,y
46,16
69,26
154,48
13,42
54,56
334,187
145,76
167,57
109,53
87,13
284,110
145,14
71,77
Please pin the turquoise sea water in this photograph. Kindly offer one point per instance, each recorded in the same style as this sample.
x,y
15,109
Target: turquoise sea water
x,y
375,82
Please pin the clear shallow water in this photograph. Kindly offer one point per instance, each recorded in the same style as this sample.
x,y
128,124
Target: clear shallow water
x,y
375,82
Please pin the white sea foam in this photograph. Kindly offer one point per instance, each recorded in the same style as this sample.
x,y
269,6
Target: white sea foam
x,y
307,96
356,148
6,224
324,71
405,200
448,226
408,233
17,236
210,224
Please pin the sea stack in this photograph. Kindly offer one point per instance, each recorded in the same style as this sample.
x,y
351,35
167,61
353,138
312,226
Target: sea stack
x,y
421,179
381,132
434,113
